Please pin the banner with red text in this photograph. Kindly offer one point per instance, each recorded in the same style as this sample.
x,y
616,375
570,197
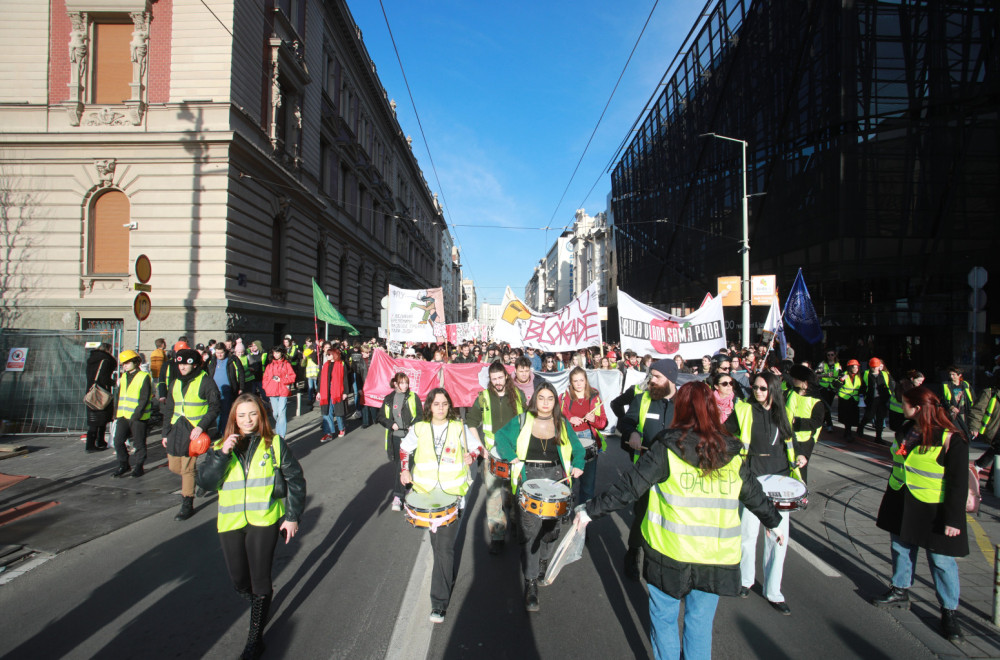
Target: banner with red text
x,y
648,331
575,326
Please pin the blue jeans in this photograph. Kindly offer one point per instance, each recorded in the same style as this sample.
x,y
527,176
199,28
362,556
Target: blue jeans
x,y
331,421
588,480
943,568
278,404
699,613
311,390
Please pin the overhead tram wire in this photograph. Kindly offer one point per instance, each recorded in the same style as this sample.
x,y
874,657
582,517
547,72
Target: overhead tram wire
x,y
603,112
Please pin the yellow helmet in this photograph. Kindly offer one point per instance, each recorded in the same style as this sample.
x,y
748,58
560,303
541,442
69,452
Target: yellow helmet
x,y
125,356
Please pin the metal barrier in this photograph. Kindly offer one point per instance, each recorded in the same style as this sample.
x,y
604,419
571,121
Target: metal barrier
x,y
47,397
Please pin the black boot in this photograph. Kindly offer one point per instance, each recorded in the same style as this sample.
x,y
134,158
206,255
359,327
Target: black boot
x,y
259,606
531,595
949,625
122,470
543,565
187,509
895,597
138,471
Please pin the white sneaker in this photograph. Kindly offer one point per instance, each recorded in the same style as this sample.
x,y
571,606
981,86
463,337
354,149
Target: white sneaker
x,y
397,504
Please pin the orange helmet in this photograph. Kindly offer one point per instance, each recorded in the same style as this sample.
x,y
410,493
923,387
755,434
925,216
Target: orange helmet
x,y
854,363
180,346
875,362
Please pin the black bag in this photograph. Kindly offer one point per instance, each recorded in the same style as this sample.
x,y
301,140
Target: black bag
x,y
97,398
280,490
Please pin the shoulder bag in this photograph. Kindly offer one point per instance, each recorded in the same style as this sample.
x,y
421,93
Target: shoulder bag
x,y
97,398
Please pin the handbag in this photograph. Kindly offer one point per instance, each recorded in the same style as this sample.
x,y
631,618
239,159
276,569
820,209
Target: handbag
x,y
280,489
97,398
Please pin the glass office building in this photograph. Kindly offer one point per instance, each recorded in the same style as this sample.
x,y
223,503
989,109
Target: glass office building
x,y
873,161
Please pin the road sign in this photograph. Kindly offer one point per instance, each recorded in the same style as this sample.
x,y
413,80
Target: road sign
x,y
143,287
16,359
142,306
978,277
143,268
977,300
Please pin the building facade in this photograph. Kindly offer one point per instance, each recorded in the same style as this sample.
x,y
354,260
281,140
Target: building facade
x,y
873,139
468,300
593,256
244,147
489,314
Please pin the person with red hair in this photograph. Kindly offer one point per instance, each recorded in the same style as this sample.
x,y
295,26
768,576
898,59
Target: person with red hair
x,y
695,479
924,504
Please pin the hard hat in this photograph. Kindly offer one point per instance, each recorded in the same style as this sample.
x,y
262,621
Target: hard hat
x,y
180,346
125,356
199,445
875,362
854,363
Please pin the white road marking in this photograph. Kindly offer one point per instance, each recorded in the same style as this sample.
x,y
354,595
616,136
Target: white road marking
x,y
820,565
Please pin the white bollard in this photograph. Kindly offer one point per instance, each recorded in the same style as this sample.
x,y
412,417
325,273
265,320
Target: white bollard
x,y
298,404
996,472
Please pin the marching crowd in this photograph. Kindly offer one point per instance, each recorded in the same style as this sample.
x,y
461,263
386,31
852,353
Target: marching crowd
x,y
709,439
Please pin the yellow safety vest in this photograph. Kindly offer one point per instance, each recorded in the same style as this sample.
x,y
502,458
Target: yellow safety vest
x,y
411,398
696,519
248,376
919,471
744,415
801,407
524,437
851,388
245,499
828,374
644,403
483,401
449,471
964,386
128,397
988,415
187,402
312,369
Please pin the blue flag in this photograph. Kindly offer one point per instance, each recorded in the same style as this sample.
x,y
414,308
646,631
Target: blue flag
x,y
800,315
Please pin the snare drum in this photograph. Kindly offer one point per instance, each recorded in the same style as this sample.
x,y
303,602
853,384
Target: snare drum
x,y
590,447
430,510
499,468
787,493
545,498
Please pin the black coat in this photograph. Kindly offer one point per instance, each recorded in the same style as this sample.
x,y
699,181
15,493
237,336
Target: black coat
x,y
101,369
179,435
408,420
922,524
669,575
215,466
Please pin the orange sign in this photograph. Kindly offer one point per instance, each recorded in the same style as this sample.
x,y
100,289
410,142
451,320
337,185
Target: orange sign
x,y
729,290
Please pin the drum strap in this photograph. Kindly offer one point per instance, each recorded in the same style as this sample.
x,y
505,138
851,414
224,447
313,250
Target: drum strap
x,y
434,523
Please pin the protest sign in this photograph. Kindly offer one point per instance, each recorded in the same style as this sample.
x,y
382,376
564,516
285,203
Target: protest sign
x,y
648,331
413,313
424,376
575,326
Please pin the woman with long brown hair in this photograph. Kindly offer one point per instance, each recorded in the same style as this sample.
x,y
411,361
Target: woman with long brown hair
x,y
581,404
246,467
695,480
924,504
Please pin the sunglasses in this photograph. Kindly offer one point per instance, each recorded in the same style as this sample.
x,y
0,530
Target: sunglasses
x,y
727,383
724,369
759,388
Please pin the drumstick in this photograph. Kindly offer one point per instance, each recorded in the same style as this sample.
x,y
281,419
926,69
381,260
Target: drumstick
x,y
566,480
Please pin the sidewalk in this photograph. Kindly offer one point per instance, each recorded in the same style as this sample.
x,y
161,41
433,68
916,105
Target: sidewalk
x,y
850,514
57,496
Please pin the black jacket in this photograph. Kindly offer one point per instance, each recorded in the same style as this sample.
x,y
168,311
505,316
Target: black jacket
x,y
659,417
179,435
101,369
408,420
234,371
215,467
669,575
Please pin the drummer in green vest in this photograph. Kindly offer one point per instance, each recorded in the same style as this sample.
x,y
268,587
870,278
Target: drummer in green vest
x,y
435,455
193,403
135,391
540,444
651,411
766,432
805,411
244,468
694,478
496,405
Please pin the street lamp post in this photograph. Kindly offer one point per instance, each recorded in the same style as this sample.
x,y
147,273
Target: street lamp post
x,y
745,243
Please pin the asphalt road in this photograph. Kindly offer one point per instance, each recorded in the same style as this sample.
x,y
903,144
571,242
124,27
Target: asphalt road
x,y
354,584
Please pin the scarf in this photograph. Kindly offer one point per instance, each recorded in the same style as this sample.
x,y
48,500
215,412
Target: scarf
x,y
725,405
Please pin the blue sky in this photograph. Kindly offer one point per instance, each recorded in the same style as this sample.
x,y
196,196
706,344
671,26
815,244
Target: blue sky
x,y
508,94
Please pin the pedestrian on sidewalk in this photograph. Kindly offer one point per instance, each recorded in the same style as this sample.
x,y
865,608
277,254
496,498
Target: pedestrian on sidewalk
x,y
101,370
279,375
135,394
849,395
695,479
250,516
333,384
227,372
400,410
192,406
924,504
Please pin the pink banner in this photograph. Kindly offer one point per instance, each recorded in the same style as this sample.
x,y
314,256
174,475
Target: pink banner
x,y
424,376
463,383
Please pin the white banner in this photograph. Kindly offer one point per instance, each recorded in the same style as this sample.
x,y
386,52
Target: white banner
x,y
575,326
606,381
414,312
648,331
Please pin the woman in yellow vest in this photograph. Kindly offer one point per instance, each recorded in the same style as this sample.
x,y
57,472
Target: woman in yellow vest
x,y
398,412
243,467
135,391
435,455
849,394
924,504
695,479
806,411
540,444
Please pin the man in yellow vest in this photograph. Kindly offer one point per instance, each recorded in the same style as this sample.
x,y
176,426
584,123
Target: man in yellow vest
x,y
877,388
805,411
829,378
441,450
193,403
135,392
496,405
958,399
650,412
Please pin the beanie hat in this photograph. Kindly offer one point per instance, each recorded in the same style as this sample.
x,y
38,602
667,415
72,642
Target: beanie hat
x,y
666,367
188,356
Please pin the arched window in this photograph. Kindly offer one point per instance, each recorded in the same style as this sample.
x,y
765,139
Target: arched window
x,y
278,241
109,234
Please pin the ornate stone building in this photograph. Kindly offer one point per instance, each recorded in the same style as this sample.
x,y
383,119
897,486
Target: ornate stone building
x,y
244,146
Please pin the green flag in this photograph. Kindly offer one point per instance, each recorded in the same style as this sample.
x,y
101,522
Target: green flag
x,y
324,311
